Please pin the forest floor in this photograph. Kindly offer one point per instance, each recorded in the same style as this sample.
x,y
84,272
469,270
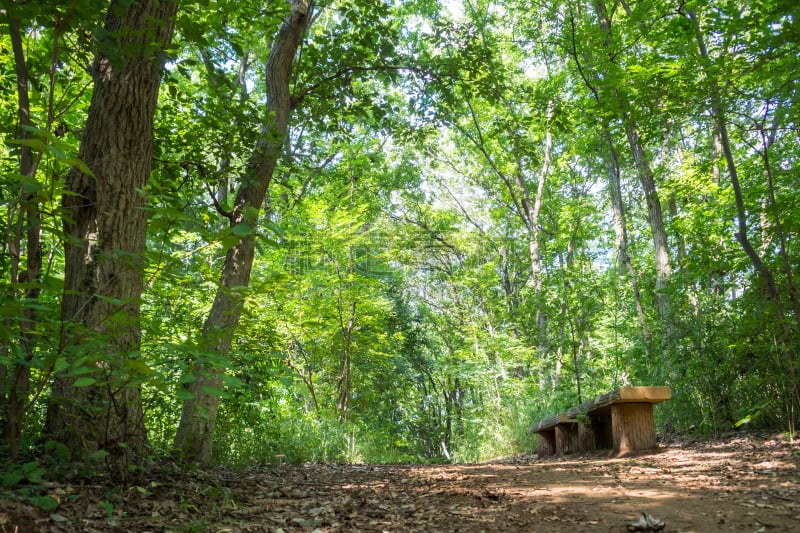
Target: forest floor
x,y
739,483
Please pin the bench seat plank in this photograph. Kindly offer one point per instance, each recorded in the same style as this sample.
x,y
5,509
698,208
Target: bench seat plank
x,y
553,421
622,395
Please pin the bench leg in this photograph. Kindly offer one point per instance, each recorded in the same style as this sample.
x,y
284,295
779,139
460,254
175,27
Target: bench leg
x,y
633,426
547,443
566,438
586,437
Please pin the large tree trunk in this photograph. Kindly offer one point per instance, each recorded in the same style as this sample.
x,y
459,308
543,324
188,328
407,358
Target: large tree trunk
x,y
105,224
194,438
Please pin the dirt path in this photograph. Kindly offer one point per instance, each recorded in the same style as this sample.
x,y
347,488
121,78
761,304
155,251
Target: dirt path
x,y
741,484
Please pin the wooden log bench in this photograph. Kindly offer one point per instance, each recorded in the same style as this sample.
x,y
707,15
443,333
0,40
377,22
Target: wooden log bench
x,y
621,420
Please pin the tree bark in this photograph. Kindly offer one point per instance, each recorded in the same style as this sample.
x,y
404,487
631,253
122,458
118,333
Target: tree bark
x,y
105,224
194,438
622,111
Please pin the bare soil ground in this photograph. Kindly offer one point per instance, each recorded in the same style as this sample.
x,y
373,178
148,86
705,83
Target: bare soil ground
x,y
741,483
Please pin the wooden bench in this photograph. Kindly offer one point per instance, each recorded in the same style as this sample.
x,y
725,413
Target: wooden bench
x,y
621,420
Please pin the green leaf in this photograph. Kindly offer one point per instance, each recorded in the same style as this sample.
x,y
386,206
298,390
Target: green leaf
x,y
110,300
84,382
59,449
45,503
232,381
81,370
75,162
11,479
30,466
98,455
187,378
35,476
213,391
139,366
184,394
108,506
242,230
36,144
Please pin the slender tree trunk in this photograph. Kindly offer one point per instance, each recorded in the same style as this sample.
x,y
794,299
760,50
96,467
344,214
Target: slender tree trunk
x,y
673,207
660,246
767,142
716,152
305,371
763,270
641,163
532,211
194,439
621,228
344,382
105,224
721,129
571,322
644,171
29,222
347,322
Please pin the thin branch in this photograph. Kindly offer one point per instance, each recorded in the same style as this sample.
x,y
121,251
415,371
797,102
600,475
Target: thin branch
x,y
221,210
298,98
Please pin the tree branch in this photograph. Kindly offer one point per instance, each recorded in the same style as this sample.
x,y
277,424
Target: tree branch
x,y
298,98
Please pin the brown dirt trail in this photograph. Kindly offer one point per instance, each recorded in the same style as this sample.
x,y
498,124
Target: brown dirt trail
x,y
741,483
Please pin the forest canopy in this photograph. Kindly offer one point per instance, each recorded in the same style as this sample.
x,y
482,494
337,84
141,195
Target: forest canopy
x,y
390,231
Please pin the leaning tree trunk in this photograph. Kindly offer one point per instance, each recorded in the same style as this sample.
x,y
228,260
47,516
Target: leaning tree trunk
x,y
105,224
742,235
721,137
194,438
